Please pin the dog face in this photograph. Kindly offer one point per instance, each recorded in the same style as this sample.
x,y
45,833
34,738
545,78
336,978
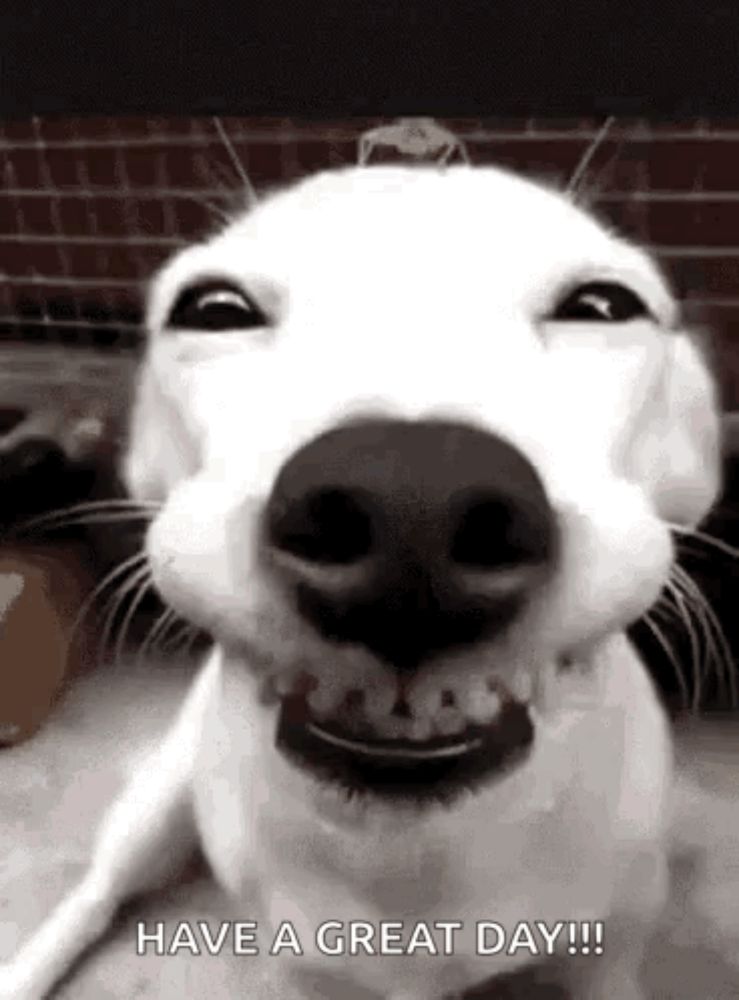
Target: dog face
x,y
418,436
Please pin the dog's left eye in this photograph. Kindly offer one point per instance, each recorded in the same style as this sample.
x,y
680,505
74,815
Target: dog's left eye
x,y
602,302
215,306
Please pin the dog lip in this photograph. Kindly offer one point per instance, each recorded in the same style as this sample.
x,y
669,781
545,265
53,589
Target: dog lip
x,y
401,749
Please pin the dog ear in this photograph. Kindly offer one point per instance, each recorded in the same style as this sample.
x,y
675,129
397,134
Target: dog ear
x,y
160,452
680,455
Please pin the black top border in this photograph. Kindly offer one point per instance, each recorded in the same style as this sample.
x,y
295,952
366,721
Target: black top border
x,y
344,58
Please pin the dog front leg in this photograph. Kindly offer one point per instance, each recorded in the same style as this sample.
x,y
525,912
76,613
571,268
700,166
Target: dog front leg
x,y
147,834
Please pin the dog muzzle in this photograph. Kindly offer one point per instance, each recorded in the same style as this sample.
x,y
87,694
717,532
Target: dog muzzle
x,y
408,540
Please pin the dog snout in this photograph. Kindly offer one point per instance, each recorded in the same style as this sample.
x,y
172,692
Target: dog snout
x,y
409,538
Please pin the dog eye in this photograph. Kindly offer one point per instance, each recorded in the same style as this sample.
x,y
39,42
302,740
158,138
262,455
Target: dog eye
x,y
215,306
602,302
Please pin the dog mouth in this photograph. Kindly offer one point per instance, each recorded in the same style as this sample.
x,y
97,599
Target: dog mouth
x,y
397,756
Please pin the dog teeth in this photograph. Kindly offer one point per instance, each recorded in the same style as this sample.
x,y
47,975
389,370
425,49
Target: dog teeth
x,y
484,707
441,711
449,720
521,686
379,702
393,727
323,700
282,683
420,729
478,702
425,703
287,682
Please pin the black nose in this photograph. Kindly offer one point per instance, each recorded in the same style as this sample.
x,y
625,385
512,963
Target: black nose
x,y
409,538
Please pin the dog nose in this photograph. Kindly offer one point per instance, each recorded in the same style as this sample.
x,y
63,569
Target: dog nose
x,y
409,538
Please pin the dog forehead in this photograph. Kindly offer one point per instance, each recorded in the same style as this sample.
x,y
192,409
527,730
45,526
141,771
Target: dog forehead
x,y
426,206
364,191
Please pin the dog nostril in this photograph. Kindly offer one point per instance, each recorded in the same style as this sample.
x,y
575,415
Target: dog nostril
x,y
325,526
494,533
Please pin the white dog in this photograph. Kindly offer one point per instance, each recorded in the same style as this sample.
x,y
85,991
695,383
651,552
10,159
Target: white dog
x,y
418,436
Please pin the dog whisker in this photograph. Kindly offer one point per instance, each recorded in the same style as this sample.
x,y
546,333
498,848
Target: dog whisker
x,y
137,579
669,652
80,513
580,171
101,518
686,547
715,637
689,612
168,637
667,609
166,620
248,190
126,566
683,599
135,603
706,538
691,615
182,639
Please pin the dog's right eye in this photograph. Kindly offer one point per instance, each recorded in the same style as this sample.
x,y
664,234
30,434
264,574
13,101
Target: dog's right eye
x,y
215,306
600,302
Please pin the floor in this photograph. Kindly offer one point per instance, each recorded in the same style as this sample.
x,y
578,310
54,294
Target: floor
x,y
54,788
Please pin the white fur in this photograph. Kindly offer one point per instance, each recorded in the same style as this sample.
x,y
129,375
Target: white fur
x,y
407,293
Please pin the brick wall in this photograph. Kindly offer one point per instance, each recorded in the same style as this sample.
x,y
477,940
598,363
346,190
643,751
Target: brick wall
x,y
89,207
